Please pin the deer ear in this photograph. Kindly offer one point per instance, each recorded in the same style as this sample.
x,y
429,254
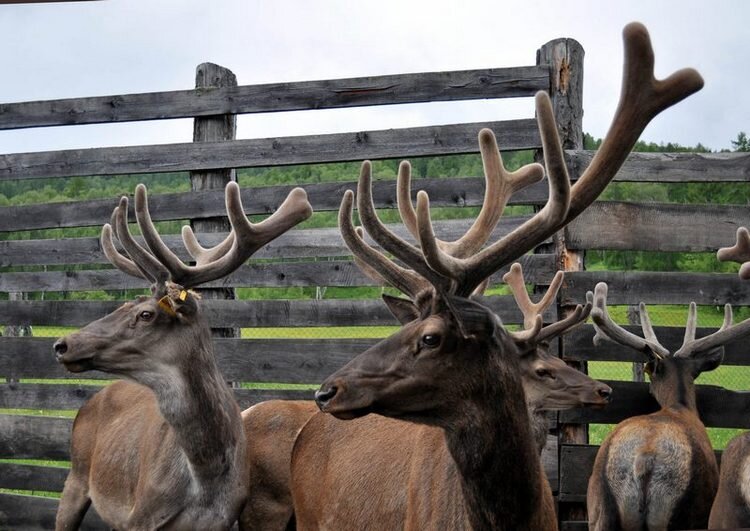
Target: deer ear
x,y
708,362
402,309
186,304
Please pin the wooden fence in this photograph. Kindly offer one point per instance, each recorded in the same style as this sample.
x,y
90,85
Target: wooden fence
x,y
27,363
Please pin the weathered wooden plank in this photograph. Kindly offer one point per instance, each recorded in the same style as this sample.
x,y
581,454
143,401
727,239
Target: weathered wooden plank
x,y
72,396
409,142
576,464
672,167
456,191
579,345
240,313
656,227
33,513
325,94
340,273
718,407
714,289
32,477
296,243
25,437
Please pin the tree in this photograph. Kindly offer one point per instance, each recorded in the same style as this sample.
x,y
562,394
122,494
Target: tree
x,y
742,143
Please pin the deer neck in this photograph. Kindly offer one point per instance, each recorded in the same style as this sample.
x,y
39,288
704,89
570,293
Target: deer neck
x,y
676,391
495,453
198,405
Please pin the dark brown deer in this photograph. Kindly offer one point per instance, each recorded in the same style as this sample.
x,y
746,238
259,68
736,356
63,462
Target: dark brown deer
x,y
456,367
658,471
166,449
731,508
549,385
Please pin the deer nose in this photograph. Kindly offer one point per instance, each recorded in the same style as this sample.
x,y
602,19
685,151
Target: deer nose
x,y
322,396
605,392
60,347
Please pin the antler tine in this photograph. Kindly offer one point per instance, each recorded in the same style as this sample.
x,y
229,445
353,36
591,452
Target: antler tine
x,y
468,273
113,255
499,186
200,254
398,247
642,97
739,252
606,328
727,333
517,284
372,263
248,237
145,262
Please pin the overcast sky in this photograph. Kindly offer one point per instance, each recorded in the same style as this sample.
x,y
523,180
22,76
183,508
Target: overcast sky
x,y
52,51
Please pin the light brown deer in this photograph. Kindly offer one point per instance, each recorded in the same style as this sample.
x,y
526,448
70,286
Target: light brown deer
x,y
658,471
731,508
549,385
165,449
456,367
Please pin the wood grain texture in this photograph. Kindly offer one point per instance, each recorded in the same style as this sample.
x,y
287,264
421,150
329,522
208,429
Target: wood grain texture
x,y
72,396
296,243
200,204
32,513
671,167
339,273
656,227
338,147
715,289
325,94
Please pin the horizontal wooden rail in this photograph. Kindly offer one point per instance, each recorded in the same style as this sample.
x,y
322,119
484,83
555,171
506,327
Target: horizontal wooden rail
x,y
656,227
62,396
448,192
34,513
297,243
538,269
579,345
718,407
390,143
325,94
236,313
625,287
672,167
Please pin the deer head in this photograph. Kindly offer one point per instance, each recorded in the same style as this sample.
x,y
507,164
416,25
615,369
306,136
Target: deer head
x,y
441,358
149,335
671,373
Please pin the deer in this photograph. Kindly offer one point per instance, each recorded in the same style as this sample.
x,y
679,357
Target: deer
x,y
731,507
455,366
658,471
165,447
549,385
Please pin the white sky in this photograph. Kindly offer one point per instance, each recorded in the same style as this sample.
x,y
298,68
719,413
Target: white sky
x,y
52,51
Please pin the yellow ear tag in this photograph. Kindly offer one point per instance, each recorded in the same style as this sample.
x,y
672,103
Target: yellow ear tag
x,y
183,295
166,304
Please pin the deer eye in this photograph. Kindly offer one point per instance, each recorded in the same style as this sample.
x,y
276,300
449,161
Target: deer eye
x,y
431,340
544,373
146,315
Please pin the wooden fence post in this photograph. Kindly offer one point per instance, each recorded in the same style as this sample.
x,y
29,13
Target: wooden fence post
x,y
565,59
214,129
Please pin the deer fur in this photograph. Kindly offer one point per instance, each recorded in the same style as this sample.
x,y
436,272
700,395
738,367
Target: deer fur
x,y
549,384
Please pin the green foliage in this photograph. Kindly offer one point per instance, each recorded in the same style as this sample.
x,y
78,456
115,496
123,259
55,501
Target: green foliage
x,y
742,143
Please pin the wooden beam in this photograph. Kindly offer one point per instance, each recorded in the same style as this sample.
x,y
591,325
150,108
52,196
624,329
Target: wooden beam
x,y
273,97
338,147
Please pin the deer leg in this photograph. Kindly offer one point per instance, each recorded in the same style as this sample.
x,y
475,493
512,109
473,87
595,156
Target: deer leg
x,y
74,503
